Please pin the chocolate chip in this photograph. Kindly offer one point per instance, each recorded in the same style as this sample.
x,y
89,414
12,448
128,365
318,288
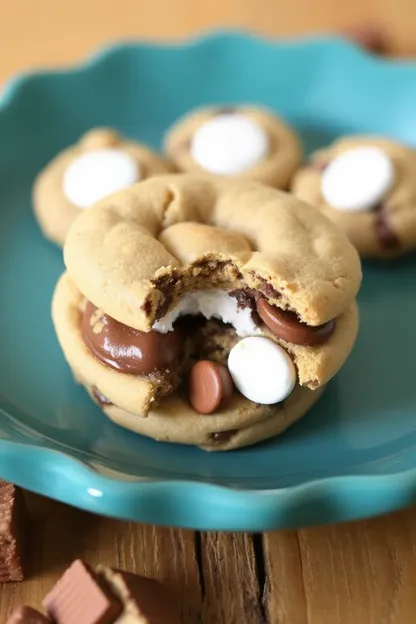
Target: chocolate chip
x,y
129,350
246,297
226,110
210,387
286,325
266,287
101,399
386,236
223,436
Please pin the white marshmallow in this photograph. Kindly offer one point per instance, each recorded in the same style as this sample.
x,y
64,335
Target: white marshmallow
x,y
262,371
98,173
358,179
211,303
229,144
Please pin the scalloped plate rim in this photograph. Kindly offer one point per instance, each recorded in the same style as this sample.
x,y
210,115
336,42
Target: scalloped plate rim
x,y
120,497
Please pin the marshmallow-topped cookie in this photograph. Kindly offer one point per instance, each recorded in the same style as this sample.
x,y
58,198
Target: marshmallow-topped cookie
x,y
367,186
101,163
239,142
224,298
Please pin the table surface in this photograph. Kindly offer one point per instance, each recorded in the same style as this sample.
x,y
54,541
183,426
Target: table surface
x,y
358,573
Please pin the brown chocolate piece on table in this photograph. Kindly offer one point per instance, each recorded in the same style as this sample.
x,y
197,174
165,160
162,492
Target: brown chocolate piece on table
x,y
210,386
27,615
145,601
12,532
80,597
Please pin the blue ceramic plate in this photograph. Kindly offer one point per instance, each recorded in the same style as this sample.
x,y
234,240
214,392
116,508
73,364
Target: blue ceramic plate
x,y
354,455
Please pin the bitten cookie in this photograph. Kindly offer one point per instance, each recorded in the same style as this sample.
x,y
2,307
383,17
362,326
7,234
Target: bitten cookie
x,y
240,142
367,186
101,163
212,316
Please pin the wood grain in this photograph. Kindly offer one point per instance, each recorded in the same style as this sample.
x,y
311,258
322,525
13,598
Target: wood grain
x,y
358,573
46,32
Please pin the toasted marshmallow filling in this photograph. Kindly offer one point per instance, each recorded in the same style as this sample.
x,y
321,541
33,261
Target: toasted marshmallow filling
x,y
210,304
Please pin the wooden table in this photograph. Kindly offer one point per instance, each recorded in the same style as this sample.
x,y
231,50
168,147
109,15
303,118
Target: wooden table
x,y
361,573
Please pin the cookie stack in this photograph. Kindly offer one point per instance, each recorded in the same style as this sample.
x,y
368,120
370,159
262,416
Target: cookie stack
x,y
204,311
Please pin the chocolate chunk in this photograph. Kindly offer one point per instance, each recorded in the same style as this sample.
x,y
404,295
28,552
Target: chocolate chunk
x,y
27,615
226,110
210,387
223,436
386,236
101,399
80,597
144,600
12,532
246,297
126,349
286,325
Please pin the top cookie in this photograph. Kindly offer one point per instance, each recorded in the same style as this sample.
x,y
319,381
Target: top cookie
x,y
101,163
367,186
239,142
135,254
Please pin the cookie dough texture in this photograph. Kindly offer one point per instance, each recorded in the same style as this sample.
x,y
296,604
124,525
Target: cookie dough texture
x,y
276,169
53,211
398,207
197,232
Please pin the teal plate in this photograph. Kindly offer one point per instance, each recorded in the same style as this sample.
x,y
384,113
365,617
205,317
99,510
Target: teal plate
x,y
354,455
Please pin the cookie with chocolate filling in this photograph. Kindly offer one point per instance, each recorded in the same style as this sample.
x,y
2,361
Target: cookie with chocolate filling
x,y
101,163
212,316
240,142
367,186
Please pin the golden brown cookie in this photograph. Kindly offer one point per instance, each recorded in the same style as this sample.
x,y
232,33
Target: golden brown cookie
x,y
367,186
101,163
233,274
241,142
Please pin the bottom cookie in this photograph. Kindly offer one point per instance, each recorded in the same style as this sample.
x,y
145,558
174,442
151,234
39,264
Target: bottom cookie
x,y
175,421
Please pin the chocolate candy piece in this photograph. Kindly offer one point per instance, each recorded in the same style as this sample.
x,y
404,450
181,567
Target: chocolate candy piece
x,y
286,325
144,600
12,532
223,436
386,236
210,386
126,349
27,615
100,398
79,597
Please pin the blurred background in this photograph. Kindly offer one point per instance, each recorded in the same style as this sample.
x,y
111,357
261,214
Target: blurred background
x,y
36,33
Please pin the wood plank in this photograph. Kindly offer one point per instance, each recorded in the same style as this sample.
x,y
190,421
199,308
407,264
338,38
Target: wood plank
x,y
232,594
357,573
35,34
60,534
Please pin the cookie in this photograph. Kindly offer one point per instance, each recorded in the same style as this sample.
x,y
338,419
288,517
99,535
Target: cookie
x,y
241,142
367,186
212,316
101,163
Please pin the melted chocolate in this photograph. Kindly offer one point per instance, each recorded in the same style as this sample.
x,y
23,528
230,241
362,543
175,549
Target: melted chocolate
x,y
223,436
386,236
126,349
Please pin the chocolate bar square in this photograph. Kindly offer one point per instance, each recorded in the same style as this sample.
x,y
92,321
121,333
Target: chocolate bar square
x,y
12,532
79,597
